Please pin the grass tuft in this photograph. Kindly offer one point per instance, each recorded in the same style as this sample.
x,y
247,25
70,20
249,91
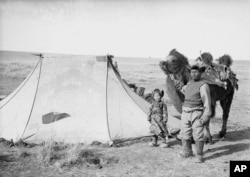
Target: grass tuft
x,y
24,154
74,155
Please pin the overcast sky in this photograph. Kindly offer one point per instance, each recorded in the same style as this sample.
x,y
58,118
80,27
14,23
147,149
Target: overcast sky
x,y
127,28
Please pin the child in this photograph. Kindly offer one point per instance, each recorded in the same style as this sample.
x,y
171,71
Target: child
x,y
158,118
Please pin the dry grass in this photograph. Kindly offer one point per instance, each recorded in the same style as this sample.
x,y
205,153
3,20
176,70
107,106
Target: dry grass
x,y
67,156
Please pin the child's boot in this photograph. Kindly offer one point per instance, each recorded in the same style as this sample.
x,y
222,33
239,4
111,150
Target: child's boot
x,y
165,143
154,141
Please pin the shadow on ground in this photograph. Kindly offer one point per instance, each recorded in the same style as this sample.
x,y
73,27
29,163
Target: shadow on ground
x,y
226,150
235,135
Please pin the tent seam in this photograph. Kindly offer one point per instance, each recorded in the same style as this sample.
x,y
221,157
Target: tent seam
x,y
107,102
34,98
120,80
21,86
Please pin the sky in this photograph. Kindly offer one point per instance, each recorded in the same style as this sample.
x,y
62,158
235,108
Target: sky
x,y
129,28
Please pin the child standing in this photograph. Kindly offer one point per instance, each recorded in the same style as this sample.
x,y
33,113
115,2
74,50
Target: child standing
x,y
158,118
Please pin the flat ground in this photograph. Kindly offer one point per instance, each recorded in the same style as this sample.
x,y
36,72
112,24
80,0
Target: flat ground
x,y
131,158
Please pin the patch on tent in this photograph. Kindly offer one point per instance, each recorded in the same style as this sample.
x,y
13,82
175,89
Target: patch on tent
x,y
2,97
53,117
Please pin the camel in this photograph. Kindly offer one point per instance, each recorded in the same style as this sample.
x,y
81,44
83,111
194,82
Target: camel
x,y
221,80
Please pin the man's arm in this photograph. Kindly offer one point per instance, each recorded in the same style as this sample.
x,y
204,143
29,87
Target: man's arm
x,y
206,99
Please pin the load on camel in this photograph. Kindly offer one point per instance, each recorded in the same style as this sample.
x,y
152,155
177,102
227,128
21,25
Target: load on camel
x,y
221,79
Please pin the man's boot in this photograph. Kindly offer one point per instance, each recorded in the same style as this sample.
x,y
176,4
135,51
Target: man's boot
x,y
186,149
199,151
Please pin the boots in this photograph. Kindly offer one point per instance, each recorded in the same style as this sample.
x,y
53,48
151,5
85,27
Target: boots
x,y
154,141
199,151
165,143
187,149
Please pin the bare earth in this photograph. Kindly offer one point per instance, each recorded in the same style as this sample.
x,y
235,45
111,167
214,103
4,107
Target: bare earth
x,y
131,158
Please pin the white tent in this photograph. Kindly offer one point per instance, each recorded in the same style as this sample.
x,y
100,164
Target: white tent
x,y
73,99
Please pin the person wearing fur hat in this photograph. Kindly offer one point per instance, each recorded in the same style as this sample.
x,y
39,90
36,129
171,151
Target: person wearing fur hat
x,y
196,114
210,75
158,118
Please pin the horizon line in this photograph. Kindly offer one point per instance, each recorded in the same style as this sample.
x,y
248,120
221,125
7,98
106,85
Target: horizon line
x,y
108,53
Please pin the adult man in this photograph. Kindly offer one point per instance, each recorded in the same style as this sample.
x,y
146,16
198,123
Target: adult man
x,y
196,113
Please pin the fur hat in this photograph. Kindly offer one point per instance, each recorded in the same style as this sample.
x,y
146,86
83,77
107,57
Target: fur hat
x,y
161,93
225,60
197,67
207,58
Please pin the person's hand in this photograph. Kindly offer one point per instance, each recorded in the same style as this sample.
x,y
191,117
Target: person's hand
x,y
204,120
165,119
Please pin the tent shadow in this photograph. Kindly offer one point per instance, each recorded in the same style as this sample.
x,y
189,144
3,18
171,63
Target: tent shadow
x,y
6,157
226,150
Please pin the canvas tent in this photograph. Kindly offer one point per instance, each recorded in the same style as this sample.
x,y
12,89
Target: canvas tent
x,y
73,99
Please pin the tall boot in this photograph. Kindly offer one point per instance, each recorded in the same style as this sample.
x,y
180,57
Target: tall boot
x,y
186,149
154,141
165,142
199,151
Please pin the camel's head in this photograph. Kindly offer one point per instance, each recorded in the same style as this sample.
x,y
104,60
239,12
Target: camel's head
x,y
174,63
176,67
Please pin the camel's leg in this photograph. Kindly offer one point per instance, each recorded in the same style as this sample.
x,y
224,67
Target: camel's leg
x,y
226,105
208,136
